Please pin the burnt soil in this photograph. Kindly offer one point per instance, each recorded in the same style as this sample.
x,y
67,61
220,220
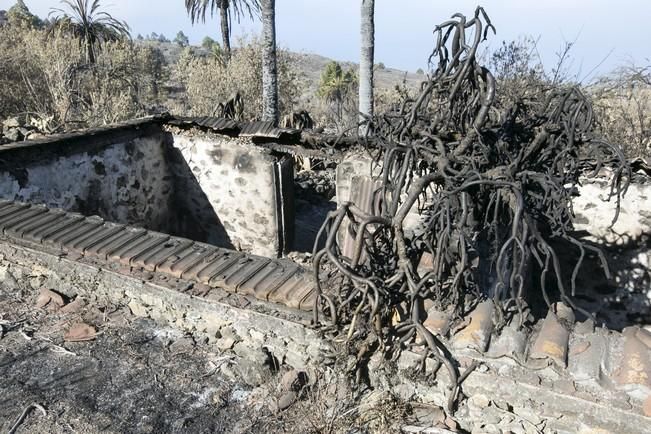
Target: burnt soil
x,y
134,377
138,376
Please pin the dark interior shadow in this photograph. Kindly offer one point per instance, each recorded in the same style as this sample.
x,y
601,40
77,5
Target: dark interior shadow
x,y
619,301
314,197
309,217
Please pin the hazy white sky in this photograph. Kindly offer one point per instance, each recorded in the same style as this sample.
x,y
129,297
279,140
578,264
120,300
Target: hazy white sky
x,y
404,28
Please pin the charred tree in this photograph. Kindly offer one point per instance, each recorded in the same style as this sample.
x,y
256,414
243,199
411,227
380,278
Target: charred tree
x,y
492,183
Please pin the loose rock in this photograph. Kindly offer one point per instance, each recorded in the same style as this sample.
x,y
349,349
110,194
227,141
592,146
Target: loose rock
x,y
293,380
286,400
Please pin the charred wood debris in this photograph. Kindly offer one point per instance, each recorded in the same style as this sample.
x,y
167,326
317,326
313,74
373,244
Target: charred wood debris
x,y
492,181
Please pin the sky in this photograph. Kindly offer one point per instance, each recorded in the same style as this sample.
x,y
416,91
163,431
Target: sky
x,y
606,33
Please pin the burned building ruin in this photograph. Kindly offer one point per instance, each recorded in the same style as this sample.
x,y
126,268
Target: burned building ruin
x,y
193,222
480,254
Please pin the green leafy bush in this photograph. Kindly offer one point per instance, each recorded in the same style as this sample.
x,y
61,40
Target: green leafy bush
x,y
338,91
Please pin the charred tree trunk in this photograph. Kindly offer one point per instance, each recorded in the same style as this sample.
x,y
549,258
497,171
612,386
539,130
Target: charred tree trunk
x,y
366,59
269,68
90,49
226,30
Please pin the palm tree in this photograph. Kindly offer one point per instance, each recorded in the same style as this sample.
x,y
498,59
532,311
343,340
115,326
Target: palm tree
x,y
269,67
91,26
366,60
336,86
197,9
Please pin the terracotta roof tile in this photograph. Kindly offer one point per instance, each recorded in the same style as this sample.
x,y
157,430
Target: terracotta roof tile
x,y
111,245
244,273
477,333
143,248
164,252
553,340
174,259
103,233
255,284
194,257
635,363
74,232
202,261
42,220
24,218
39,234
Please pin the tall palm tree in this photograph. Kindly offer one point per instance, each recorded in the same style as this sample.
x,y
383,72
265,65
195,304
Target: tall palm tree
x,y
366,59
269,67
91,26
197,9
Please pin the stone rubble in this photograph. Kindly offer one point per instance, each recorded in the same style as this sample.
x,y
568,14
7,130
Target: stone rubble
x,y
18,129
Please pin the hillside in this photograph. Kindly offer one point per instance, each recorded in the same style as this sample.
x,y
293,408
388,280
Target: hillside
x,y
311,65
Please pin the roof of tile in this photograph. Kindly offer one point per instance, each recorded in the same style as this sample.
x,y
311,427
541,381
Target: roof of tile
x,y
584,352
258,129
271,280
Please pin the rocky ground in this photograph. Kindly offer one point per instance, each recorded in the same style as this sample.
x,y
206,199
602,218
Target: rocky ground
x,y
20,128
122,374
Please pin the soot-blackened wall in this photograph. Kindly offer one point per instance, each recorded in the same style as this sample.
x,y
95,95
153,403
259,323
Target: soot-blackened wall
x,y
203,186
121,175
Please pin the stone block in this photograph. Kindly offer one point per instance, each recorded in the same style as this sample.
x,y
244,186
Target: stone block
x,y
138,309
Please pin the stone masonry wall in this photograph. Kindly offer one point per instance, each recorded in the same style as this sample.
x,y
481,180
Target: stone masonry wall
x,y
244,325
625,296
124,179
238,181
499,396
207,187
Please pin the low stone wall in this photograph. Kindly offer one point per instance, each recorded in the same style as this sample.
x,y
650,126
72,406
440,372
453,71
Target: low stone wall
x,y
499,395
229,321
209,187
120,175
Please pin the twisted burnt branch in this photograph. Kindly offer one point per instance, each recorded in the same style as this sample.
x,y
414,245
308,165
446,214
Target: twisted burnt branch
x,y
493,188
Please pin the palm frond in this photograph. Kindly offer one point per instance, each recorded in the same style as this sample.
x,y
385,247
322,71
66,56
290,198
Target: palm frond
x,y
198,9
84,20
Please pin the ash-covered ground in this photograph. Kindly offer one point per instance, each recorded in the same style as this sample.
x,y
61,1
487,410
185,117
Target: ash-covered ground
x,y
137,376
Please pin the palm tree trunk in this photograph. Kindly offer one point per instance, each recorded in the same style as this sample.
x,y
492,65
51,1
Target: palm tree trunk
x,y
90,50
269,68
226,31
367,59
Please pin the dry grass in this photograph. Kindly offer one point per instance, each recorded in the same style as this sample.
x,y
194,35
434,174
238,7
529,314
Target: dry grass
x,y
48,79
208,80
623,106
331,406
